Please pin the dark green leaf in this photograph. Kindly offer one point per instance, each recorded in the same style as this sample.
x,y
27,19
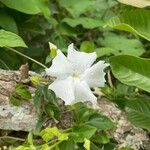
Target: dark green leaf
x,y
82,131
100,122
7,22
139,112
15,101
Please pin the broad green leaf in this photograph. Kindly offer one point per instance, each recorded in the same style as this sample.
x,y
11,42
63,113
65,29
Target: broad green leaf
x,y
136,3
9,39
7,22
87,46
132,71
86,22
76,7
118,45
134,21
29,6
139,112
82,131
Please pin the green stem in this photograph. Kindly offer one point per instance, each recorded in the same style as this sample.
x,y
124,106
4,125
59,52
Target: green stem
x,y
19,53
57,143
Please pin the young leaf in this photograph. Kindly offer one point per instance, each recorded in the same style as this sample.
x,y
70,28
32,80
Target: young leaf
x,y
86,144
49,133
139,112
23,92
9,39
132,71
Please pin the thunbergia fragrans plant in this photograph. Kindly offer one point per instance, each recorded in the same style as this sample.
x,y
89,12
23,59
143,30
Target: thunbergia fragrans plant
x,y
75,75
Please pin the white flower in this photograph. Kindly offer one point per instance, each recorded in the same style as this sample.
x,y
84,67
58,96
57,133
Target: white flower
x,y
75,76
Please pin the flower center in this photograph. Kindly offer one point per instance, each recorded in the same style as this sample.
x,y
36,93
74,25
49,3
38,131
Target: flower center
x,y
76,75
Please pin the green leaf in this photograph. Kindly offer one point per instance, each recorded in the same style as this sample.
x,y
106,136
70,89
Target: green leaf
x,y
118,45
134,21
100,122
132,71
7,22
87,46
139,112
28,7
76,7
82,131
86,22
23,92
136,3
9,39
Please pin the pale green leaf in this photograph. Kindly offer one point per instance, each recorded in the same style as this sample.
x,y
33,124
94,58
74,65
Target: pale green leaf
x,y
134,21
9,39
136,3
86,144
132,71
118,45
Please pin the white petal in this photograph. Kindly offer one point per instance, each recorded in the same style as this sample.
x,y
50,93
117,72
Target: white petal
x,y
80,60
61,67
83,92
64,89
94,76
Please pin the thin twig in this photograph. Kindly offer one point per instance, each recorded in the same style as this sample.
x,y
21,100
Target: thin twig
x,y
109,79
19,53
13,138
